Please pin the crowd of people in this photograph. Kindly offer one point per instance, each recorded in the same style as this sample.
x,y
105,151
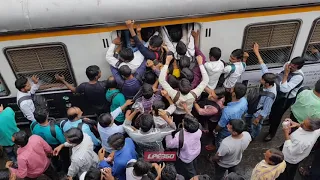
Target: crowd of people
x,y
163,95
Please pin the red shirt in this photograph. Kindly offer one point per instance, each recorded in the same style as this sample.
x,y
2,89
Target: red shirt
x,y
32,158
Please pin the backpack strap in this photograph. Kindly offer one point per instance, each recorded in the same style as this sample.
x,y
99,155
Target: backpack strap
x,y
298,85
176,97
80,126
268,94
130,164
181,140
233,69
53,129
113,96
23,98
62,124
33,125
194,95
244,65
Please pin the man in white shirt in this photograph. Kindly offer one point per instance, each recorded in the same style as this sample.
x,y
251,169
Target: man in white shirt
x,y
214,67
24,95
229,154
298,144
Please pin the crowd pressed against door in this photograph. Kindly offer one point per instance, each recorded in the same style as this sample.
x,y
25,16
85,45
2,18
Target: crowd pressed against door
x,y
163,95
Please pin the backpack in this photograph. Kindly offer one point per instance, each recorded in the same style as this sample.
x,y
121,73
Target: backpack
x,y
52,128
222,78
279,80
253,98
38,101
91,123
111,99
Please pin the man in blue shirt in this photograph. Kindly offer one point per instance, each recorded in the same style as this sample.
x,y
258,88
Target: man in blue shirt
x,y
53,135
124,151
234,110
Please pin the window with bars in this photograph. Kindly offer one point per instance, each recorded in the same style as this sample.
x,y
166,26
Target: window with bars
x,y
3,88
312,48
276,40
44,60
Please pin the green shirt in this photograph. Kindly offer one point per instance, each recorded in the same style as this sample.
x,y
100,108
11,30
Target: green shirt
x,y
45,133
8,127
306,105
118,101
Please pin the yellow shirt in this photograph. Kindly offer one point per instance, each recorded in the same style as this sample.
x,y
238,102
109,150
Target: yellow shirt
x,y
265,171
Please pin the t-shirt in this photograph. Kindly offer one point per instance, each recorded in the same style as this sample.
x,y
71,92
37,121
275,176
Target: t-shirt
x,y
93,93
45,133
129,172
231,150
8,127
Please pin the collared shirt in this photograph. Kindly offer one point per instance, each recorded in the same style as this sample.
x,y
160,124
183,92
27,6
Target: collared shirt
x,y
289,85
265,171
230,82
299,145
106,132
188,98
121,158
133,64
191,145
306,105
8,127
233,110
214,69
159,121
83,157
27,106
32,158
147,103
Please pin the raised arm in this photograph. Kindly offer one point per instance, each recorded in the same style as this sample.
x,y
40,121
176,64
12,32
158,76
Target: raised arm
x,y
117,76
166,40
191,42
62,79
205,78
141,70
264,68
162,78
35,86
109,56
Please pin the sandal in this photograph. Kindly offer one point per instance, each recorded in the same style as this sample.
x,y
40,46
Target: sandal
x,y
304,172
210,147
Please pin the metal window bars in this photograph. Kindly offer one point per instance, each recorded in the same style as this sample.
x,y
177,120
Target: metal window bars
x,y
313,41
42,60
276,41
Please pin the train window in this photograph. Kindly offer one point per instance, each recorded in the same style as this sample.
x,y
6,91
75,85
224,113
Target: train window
x,y
43,60
311,52
276,40
3,88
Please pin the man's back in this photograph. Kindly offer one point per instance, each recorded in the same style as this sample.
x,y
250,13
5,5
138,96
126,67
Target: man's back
x,y
105,133
46,134
8,126
214,69
93,93
231,150
234,77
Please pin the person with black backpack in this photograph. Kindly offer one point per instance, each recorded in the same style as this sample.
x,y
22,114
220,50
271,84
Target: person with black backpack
x,y
260,100
288,84
53,135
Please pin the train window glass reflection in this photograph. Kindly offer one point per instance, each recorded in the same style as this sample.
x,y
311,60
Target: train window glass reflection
x,y
3,88
312,48
43,60
276,40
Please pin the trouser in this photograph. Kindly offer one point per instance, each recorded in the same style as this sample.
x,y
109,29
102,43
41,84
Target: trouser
x,y
315,167
50,172
220,172
61,162
289,172
10,153
187,170
279,107
253,129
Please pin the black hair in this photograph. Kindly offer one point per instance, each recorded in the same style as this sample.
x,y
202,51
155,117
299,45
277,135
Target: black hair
x,y
238,53
215,52
169,172
240,90
238,125
298,61
269,78
21,83
175,32
185,86
21,138
92,72
74,135
150,77
41,114
93,174
204,177
147,91
156,41
173,81
234,176
184,62
187,73
4,174
72,116
190,123
141,167
220,92
126,54
146,33
147,122
158,104
317,86
116,141
276,157
105,120
125,71
111,82
181,48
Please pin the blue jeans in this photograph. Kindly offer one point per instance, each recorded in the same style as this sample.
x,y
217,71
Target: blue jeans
x,y
10,153
253,129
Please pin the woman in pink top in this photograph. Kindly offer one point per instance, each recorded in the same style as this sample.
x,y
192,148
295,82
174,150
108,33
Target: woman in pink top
x,y
32,157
